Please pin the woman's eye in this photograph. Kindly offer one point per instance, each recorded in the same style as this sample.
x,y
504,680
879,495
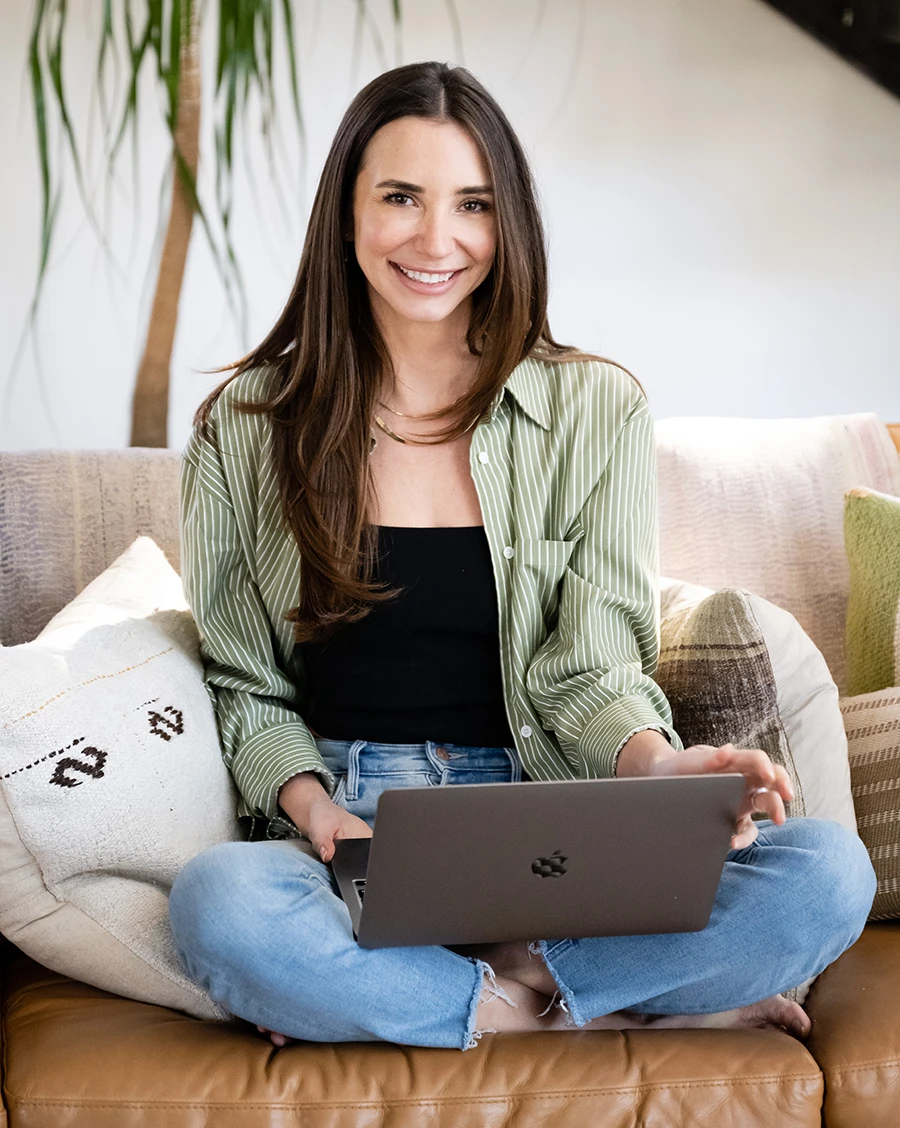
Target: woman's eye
x,y
402,200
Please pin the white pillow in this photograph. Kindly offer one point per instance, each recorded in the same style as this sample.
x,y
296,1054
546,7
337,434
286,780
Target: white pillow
x,y
736,668
111,780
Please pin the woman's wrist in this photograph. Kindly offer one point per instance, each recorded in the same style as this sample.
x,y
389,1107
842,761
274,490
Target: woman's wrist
x,y
297,795
641,752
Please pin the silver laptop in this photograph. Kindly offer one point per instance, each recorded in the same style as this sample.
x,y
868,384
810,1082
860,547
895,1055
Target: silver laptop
x,y
488,862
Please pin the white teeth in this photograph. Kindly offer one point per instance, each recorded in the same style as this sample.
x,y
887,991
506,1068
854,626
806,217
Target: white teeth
x,y
432,279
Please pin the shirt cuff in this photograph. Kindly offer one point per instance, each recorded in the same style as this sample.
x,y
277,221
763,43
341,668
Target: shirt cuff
x,y
269,759
608,733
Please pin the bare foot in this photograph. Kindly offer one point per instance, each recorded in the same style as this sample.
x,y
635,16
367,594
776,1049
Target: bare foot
x,y
275,1038
776,1011
516,962
507,1005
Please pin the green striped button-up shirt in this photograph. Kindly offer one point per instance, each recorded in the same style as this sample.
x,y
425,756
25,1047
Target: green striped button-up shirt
x,y
564,464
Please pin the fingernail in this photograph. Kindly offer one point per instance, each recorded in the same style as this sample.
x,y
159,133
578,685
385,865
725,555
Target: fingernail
x,y
322,853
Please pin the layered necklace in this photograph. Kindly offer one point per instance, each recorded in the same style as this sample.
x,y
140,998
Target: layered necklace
x,y
403,415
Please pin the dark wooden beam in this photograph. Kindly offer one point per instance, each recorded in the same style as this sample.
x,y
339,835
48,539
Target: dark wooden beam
x,y
865,32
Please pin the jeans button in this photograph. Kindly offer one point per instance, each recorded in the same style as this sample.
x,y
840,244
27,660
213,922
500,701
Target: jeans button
x,y
443,753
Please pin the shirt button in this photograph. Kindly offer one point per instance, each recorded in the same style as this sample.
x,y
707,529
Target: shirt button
x,y
508,552
484,457
525,730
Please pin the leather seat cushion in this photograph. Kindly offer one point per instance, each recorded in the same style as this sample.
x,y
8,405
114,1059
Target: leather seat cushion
x,y
5,948
90,1059
855,1008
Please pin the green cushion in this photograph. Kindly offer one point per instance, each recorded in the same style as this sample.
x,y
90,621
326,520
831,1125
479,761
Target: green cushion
x,y
872,539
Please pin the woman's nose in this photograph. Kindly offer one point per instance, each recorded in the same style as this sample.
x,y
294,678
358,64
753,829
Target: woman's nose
x,y
435,237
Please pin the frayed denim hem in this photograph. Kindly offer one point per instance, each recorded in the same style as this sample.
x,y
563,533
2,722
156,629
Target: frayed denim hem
x,y
566,1002
493,991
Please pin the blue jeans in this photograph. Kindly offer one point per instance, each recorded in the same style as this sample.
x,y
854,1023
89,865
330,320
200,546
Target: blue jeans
x,y
261,927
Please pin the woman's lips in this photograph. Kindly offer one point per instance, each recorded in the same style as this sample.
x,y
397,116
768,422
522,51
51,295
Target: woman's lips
x,y
425,287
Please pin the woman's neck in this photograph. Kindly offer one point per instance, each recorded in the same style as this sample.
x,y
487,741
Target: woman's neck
x,y
432,362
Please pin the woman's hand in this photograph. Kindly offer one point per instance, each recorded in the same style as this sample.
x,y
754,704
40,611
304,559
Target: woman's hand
x,y
326,821
306,802
767,785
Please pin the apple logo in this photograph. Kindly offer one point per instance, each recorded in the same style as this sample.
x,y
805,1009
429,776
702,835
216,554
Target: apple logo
x,y
550,867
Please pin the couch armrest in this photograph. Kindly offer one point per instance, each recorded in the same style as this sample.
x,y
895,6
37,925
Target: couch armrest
x,y
855,1037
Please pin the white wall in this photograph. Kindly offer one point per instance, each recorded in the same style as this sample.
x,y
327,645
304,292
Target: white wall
x,y
720,190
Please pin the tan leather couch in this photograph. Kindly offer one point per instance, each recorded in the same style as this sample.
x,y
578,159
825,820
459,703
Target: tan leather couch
x,y
77,1057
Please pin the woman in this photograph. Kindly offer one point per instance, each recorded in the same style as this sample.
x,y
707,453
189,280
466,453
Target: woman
x,y
419,538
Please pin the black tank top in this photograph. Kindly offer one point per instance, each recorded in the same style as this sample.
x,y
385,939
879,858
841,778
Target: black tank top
x,y
424,665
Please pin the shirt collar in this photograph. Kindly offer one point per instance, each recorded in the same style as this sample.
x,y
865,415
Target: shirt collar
x,y
529,387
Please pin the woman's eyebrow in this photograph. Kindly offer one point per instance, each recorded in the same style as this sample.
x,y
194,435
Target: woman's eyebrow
x,y
405,186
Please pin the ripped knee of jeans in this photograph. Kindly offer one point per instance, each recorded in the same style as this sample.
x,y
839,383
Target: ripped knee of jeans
x,y
490,990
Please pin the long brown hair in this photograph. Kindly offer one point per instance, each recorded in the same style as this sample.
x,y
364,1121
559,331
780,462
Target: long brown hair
x,y
327,357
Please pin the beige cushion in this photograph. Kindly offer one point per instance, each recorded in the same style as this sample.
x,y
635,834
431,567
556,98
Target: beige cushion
x,y
759,504
872,721
111,779
66,515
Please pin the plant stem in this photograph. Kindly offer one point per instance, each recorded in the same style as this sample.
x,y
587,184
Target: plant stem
x,y
149,415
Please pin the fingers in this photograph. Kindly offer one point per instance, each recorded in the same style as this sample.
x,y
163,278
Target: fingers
x,y
333,824
768,802
783,783
745,834
759,770
761,800
322,839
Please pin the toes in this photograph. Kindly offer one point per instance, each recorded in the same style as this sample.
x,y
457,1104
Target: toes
x,y
785,1015
274,1037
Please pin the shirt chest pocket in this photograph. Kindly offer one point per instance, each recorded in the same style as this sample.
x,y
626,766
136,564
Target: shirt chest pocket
x,y
540,566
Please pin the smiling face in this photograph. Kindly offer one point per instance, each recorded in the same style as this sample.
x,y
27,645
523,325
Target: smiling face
x,y
423,220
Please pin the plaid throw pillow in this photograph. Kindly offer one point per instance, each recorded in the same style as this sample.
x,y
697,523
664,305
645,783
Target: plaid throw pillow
x,y
737,669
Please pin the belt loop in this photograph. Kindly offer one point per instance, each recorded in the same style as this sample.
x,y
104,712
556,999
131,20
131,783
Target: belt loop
x,y
516,763
431,755
352,792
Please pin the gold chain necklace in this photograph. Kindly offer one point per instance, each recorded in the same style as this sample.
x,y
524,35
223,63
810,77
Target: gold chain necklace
x,y
399,438
405,415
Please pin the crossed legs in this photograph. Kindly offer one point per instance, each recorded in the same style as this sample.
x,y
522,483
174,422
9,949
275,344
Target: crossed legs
x,y
259,926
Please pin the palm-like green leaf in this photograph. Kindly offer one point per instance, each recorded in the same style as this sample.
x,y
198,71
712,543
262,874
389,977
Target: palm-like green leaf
x,y
251,35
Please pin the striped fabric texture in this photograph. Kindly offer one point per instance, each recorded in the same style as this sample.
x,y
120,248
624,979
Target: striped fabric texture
x,y
564,465
872,722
